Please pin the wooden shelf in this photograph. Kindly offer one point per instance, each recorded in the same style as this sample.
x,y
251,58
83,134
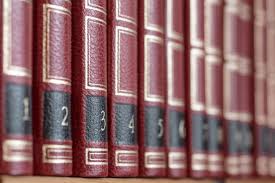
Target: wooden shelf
x,y
38,179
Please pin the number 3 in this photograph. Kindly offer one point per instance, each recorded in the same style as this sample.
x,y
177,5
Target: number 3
x,y
103,120
64,121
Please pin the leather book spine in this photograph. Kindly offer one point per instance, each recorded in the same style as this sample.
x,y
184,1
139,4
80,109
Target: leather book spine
x,y
122,88
52,88
246,85
213,85
231,86
152,88
16,87
196,121
89,88
261,144
270,28
175,106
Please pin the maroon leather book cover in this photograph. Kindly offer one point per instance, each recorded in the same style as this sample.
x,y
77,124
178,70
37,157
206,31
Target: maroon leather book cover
x,y
16,84
52,88
175,106
122,87
261,144
213,85
89,88
246,85
195,80
152,88
231,88
270,18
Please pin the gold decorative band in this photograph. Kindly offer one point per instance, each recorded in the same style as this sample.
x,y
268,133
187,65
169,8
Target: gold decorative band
x,y
126,158
57,154
17,151
155,160
176,160
199,162
96,156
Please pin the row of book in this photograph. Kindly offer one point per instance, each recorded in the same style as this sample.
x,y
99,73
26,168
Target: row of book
x,y
127,88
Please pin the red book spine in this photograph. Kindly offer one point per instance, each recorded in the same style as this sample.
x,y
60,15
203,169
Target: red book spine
x,y
16,85
52,88
122,87
152,88
214,85
246,85
175,109
260,87
270,18
195,55
231,88
89,72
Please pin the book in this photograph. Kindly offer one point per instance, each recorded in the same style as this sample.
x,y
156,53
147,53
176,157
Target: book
x,y
270,20
175,106
52,88
123,88
16,87
246,85
196,118
152,88
261,142
231,88
89,88
213,86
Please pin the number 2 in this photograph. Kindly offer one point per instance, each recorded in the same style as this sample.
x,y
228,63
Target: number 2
x,y
65,121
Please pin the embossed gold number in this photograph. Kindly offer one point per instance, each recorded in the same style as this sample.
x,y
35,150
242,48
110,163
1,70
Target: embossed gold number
x,y
132,124
161,129
182,129
103,120
26,103
65,121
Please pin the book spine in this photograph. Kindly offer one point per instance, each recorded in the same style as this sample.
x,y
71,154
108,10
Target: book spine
x,y
122,87
16,84
89,99
197,127
152,81
214,85
52,88
270,18
246,85
231,88
175,107
260,88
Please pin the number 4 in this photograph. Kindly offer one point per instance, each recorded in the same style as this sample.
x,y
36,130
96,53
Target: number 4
x,y
132,124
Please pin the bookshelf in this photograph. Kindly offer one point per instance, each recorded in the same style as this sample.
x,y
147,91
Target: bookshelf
x,y
34,179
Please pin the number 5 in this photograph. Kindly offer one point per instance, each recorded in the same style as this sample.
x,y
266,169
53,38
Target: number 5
x,y
161,130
